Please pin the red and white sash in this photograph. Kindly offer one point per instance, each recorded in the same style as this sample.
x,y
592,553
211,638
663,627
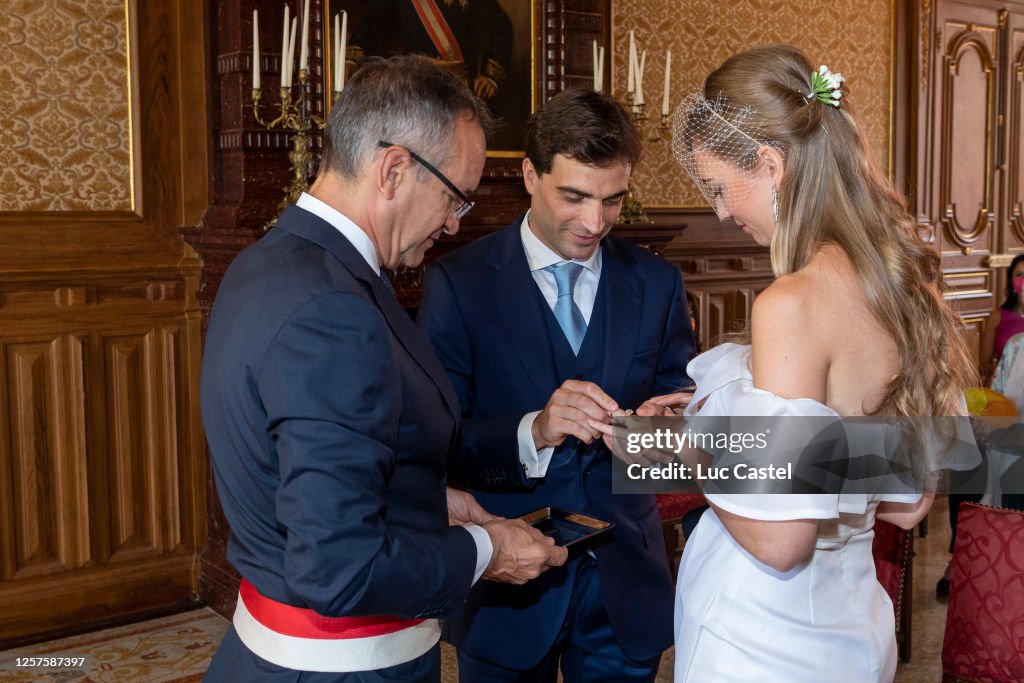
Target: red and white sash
x,y
300,639
438,29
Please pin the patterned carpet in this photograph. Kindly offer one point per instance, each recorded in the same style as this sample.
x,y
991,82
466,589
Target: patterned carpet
x,y
177,649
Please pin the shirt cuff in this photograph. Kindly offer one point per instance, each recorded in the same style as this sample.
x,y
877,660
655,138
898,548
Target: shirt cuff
x,y
535,463
484,549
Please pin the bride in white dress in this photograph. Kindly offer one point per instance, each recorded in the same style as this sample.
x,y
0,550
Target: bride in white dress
x,y
783,587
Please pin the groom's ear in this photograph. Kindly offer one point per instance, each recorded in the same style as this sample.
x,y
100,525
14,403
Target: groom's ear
x,y
530,175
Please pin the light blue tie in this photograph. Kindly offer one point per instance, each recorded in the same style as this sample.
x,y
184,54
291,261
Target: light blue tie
x,y
567,313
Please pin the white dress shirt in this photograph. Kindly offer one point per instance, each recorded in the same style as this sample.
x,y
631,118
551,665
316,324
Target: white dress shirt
x,y
364,245
539,256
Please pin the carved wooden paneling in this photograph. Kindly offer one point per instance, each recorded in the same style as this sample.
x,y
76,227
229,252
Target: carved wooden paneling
x,y
968,136
723,270
99,467
1014,211
969,147
971,292
129,412
44,456
721,311
101,499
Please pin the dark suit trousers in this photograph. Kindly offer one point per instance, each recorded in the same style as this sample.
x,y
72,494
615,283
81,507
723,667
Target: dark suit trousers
x,y
235,663
585,645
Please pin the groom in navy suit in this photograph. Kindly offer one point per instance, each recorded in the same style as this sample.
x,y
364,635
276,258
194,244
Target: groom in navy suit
x,y
330,419
540,327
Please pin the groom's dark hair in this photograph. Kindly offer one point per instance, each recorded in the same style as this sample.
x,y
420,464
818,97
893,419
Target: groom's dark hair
x,y
584,125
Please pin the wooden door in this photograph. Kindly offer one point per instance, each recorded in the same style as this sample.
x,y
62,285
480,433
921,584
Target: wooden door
x,y
101,479
971,149
1012,160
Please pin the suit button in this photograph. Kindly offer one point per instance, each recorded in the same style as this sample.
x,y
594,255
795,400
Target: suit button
x,y
586,474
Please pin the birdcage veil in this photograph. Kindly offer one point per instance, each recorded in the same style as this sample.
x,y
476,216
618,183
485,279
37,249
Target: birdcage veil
x,y
706,133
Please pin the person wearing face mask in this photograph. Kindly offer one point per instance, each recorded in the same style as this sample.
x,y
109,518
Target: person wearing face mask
x,y
1005,320
781,586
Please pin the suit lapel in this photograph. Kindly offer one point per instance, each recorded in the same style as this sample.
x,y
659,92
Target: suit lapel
x,y
412,338
303,224
520,308
623,299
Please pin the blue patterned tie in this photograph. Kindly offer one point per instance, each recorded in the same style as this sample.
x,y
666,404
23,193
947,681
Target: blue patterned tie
x,y
386,281
567,313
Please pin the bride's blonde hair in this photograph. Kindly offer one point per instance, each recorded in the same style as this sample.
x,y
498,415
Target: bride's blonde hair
x,y
833,192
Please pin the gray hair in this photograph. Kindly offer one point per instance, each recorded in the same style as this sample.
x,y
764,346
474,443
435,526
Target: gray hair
x,y
403,100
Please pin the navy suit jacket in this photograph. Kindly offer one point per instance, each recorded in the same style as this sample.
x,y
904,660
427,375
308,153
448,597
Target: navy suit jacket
x,y
330,421
485,317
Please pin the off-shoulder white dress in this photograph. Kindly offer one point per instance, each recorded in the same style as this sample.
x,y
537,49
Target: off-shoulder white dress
x,y
737,619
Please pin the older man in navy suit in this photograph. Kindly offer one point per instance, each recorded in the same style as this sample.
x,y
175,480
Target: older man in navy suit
x,y
330,419
540,327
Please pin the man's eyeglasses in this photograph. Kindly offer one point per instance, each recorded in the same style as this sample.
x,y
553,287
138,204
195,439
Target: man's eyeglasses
x,y
466,205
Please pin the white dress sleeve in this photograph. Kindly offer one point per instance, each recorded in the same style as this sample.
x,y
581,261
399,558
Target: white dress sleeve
x,y
725,388
740,398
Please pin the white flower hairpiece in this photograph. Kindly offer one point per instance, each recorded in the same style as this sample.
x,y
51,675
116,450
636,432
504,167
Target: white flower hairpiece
x,y
826,85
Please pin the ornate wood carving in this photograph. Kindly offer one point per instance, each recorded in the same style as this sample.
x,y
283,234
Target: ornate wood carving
x,y
925,33
1014,213
970,150
968,133
723,270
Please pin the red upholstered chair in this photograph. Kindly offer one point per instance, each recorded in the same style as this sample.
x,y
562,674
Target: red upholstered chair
x,y
671,508
893,550
984,638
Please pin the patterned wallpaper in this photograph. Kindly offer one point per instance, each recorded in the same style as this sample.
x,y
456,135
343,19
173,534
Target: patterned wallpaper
x,y
64,106
702,33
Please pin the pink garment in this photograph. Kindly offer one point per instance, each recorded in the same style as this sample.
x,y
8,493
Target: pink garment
x,y
1010,323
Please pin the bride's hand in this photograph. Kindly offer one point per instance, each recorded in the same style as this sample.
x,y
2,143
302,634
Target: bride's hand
x,y
615,438
666,404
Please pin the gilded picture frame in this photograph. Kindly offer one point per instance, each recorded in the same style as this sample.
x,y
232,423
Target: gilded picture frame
x,y
498,42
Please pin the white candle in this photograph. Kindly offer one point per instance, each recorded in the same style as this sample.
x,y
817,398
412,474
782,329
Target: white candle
x,y
336,43
640,77
668,70
632,64
597,86
284,48
341,50
290,60
600,68
255,50
304,52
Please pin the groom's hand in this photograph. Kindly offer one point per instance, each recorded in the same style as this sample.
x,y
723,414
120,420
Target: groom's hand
x,y
569,411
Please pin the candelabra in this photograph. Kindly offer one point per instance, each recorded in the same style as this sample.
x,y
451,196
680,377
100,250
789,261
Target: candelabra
x,y
632,208
293,118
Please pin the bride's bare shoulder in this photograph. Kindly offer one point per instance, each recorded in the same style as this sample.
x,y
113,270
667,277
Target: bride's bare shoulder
x,y
811,302
827,276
